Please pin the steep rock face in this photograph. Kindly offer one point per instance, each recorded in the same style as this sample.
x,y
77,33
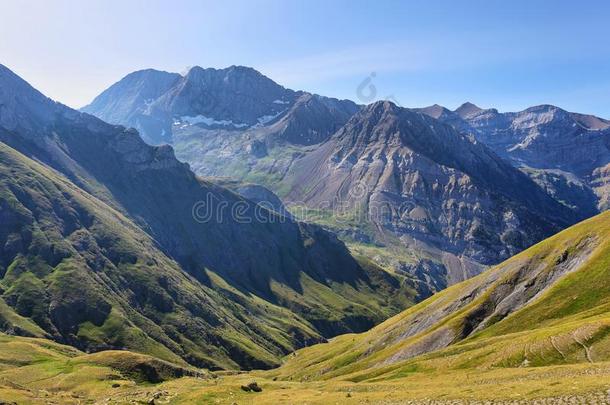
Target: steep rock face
x,y
262,271
164,106
412,175
543,138
237,94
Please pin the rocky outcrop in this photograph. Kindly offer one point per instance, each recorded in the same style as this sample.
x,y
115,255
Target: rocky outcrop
x,y
414,176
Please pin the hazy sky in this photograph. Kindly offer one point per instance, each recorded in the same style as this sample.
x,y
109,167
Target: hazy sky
x,y
505,54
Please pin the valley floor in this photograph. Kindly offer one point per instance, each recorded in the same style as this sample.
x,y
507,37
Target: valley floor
x,y
41,372
569,385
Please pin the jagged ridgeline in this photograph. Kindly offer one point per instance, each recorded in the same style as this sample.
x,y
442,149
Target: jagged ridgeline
x,y
99,249
568,154
431,193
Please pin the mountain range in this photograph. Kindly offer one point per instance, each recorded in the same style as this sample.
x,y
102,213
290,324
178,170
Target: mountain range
x,y
90,205
566,153
159,104
471,252
437,198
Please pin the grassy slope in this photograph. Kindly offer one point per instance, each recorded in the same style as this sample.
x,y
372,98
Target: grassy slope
x,y
39,371
36,370
142,299
126,256
555,345
133,296
568,322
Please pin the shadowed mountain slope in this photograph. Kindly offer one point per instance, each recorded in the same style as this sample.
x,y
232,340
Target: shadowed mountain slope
x,y
90,204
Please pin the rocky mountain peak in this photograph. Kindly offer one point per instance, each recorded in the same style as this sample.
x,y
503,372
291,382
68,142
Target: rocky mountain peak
x,y
387,123
246,78
383,105
377,111
127,100
542,115
563,151
468,109
236,96
435,111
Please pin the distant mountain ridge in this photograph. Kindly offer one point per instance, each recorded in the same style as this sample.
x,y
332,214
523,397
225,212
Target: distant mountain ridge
x,y
566,153
459,195
160,103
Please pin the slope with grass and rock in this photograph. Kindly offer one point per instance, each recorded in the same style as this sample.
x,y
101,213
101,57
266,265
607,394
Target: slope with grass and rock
x,y
547,306
89,205
442,217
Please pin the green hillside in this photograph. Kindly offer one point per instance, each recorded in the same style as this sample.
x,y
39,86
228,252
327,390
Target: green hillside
x,y
549,305
102,246
77,270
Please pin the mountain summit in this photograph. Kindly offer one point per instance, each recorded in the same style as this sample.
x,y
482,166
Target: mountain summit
x,y
468,109
163,105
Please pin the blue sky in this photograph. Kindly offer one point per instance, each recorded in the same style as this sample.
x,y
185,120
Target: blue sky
x,y
504,54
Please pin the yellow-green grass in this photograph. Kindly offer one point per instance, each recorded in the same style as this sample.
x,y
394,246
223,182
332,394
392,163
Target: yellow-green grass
x,y
38,371
568,322
34,370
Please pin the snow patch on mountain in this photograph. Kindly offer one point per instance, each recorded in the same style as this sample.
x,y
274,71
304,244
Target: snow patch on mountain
x,y
265,119
201,119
